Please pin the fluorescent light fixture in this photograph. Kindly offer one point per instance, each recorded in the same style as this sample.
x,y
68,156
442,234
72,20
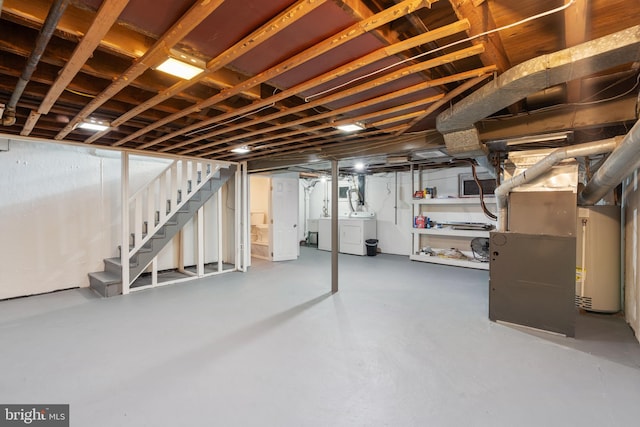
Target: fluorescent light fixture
x,y
395,160
182,65
95,125
547,137
532,139
241,150
350,127
359,166
429,154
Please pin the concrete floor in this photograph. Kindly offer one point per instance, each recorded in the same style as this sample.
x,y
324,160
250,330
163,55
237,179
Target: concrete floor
x,y
402,344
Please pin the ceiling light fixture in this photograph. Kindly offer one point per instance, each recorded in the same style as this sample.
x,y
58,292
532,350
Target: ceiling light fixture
x,y
182,65
395,160
95,125
350,127
241,150
359,166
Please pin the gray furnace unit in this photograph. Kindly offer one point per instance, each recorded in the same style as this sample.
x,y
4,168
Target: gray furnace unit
x,y
532,277
532,281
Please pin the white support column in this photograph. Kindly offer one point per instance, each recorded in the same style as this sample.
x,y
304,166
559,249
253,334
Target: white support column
x,y
237,220
124,238
241,217
200,239
246,238
154,272
173,192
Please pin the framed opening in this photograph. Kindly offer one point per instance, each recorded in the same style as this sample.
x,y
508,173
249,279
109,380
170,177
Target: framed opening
x,y
469,188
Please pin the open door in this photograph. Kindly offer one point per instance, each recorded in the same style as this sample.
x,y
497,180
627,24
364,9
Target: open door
x,y
284,214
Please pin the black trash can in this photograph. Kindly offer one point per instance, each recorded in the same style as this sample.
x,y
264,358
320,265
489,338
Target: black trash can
x,y
372,246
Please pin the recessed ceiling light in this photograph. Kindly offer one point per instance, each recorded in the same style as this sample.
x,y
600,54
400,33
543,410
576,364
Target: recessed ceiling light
x,y
95,125
241,150
350,127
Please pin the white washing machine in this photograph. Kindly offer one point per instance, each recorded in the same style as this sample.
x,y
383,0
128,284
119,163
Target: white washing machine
x,y
353,231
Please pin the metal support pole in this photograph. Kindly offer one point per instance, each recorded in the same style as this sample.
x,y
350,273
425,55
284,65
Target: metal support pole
x,y
334,226
124,238
220,232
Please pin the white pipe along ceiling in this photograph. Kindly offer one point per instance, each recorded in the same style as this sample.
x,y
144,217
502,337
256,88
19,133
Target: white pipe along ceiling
x,y
543,166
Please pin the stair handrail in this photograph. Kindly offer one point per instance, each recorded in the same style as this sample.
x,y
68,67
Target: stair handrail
x,y
173,187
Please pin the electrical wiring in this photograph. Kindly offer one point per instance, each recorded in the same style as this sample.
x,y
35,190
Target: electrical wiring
x,y
486,211
86,95
438,49
557,106
250,113
635,86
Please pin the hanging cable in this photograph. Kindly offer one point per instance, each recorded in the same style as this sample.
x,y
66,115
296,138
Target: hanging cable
x,y
485,33
486,211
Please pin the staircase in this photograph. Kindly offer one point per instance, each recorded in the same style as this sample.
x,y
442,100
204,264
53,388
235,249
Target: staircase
x,y
166,224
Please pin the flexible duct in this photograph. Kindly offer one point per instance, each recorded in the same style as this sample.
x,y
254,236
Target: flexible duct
x,y
620,163
49,26
544,165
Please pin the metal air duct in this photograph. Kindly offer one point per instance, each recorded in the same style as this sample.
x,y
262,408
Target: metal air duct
x,y
620,163
457,123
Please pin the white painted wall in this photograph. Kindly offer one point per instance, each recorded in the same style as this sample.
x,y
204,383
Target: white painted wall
x,y
259,195
631,205
394,216
60,210
389,196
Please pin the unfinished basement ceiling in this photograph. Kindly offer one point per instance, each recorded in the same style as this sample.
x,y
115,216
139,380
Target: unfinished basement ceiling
x,y
281,74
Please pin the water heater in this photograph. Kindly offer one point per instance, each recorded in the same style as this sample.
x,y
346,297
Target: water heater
x,y
598,259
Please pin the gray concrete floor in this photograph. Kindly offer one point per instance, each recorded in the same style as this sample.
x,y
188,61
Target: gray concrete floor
x,y
402,344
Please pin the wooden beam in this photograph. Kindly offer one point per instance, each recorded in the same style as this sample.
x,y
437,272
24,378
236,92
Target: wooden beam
x,y
104,19
480,18
354,65
191,19
328,125
268,30
576,20
324,46
18,41
353,107
464,53
337,146
76,21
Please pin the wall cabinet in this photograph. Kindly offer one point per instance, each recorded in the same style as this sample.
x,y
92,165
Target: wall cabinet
x,y
455,223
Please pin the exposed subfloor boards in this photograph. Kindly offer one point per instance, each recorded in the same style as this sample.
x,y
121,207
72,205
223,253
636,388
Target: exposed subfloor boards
x,y
402,344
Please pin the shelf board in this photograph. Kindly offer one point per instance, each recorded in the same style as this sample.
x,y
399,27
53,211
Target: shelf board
x,y
448,261
449,232
455,201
